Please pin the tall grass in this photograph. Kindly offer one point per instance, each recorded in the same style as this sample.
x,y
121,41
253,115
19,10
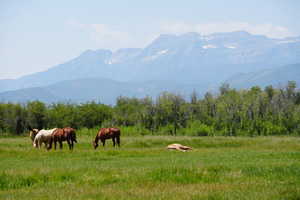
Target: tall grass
x,y
216,168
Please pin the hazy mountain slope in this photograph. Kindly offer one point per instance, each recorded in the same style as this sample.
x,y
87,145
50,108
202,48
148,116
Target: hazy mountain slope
x,y
187,58
107,91
29,94
97,89
88,64
276,77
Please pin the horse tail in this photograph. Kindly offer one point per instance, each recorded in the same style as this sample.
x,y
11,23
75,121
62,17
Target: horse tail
x,y
118,137
74,135
74,139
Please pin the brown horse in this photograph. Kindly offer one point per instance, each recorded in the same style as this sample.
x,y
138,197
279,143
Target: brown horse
x,y
63,134
107,133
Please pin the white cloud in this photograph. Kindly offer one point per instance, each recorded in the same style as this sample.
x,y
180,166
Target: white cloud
x,y
114,37
270,30
108,37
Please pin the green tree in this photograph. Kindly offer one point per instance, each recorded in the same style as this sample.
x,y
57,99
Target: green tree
x,y
37,114
93,114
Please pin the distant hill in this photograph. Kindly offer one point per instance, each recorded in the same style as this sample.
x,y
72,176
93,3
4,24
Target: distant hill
x,y
96,89
276,77
107,90
187,58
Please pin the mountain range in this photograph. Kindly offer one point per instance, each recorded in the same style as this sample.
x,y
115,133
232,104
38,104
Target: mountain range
x,y
95,89
178,63
277,77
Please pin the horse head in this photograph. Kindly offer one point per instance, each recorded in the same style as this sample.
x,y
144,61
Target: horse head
x,y
32,133
95,145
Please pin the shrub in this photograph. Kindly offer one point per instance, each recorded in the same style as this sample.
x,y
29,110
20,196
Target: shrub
x,y
268,128
196,128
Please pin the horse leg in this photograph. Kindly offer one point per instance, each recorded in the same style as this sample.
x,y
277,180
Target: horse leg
x,y
46,144
72,144
55,143
69,143
50,144
118,140
40,144
103,142
35,143
60,144
114,142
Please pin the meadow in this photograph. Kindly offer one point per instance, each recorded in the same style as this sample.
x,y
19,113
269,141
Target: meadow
x,y
217,168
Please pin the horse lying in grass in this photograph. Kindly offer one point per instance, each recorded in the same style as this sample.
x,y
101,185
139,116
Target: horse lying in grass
x,y
43,136
178,147
107,133
63,134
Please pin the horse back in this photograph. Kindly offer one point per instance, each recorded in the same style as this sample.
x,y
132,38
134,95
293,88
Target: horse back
x,y
107,133
58,133
70,133
46,133
115,131
68,130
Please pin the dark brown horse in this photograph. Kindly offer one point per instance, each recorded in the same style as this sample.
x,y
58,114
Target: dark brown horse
x,y
63,134
107,133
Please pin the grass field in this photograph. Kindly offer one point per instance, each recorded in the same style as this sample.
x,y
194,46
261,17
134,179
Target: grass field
x,y
217,168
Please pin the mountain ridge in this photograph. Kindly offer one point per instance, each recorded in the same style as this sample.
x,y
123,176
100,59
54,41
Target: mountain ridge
x,y
276,77
95,89
189,58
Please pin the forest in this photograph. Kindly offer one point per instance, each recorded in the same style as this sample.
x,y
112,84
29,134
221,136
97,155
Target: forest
x,y
230,112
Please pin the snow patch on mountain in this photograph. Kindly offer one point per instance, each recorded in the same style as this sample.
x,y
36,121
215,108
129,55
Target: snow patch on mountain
x,y
162,52
207,37
230,46
156,55
209,46
110,62
288,41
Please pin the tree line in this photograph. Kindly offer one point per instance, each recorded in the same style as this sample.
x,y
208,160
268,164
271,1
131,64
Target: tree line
x,y
248,112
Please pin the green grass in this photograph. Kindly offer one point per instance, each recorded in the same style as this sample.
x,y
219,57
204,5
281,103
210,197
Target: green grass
x,y
216,168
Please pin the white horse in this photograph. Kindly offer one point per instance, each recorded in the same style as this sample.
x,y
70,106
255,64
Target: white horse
x,y
43,136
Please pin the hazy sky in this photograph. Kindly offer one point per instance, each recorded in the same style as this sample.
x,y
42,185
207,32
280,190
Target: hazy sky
x,y
36,35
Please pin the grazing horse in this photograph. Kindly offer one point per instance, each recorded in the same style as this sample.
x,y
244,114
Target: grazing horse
x,y
33,132
43,136
64,134
107,133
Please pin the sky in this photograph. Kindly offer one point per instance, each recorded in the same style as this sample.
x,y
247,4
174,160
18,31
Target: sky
x,y
36,35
